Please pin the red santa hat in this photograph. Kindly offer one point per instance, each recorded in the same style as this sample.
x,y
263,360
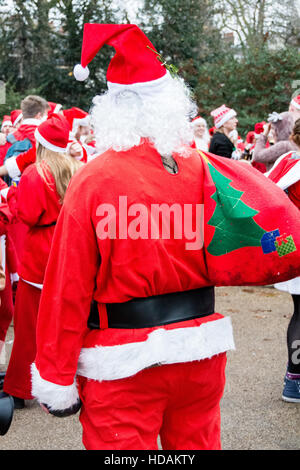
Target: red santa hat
x,y
54,107
250,137
296,102
259,128
197,120
6,122
54,133
76,117
135,65
16,116
222,115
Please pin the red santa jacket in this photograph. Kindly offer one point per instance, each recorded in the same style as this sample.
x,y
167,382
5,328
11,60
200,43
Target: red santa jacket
x,y
39,213
15,165
286,174
103,250
85,265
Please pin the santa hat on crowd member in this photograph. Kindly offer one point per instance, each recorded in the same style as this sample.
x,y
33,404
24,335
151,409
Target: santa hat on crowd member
x,y
259,128
6,122
16,116
250,137
54,133
296,102
76,117
54,107
135,65
222,115
197,120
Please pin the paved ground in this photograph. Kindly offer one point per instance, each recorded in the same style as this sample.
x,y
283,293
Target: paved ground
x,y
253,414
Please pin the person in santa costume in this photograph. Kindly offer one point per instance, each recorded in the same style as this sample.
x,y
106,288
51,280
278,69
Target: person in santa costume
x,y
286,174
201,134
130,331
282,125
294,107
16,118
6,126
224,139
80,146
47,179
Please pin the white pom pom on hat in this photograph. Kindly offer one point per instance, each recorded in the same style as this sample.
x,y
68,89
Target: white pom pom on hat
x,y
81,73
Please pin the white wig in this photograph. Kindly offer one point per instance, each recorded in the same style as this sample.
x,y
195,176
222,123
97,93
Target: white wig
x,y
121,120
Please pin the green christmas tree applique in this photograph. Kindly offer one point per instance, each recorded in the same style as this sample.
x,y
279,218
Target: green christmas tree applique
x,y
232,218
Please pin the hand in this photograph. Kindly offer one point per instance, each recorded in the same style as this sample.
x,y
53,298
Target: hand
x,y
267,129
75,150
72,410
2,138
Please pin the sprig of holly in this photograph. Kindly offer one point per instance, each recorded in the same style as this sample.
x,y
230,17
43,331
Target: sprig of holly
x,y
170,67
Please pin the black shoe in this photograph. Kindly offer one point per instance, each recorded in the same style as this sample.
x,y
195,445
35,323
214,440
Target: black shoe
x,y
2,377
6,412
19,403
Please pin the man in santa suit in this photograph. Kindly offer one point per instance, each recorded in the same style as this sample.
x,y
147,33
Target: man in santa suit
x,y
294,107
6,126
126,324
34,111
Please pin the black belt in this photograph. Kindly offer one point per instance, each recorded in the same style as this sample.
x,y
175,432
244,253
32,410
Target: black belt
x,y
157,310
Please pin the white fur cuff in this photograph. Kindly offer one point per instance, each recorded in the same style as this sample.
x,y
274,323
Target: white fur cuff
x,y
12,167
56,397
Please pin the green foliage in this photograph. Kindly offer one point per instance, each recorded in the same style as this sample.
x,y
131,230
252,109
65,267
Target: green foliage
x,y
253,85
40,42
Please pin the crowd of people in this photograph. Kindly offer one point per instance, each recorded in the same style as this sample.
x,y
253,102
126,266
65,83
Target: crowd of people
x,y
54,268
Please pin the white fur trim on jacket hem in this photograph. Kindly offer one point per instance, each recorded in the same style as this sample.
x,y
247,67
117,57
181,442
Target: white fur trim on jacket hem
x,y
56,397
12,167
161,347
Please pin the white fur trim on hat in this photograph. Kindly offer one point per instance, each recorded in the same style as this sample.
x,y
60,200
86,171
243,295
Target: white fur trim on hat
x,y
12,167
161,347
56,397
47,144
144,88
18,119
6,123
230,114
294,103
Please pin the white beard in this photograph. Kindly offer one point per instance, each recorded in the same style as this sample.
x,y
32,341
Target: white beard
x,y
120,121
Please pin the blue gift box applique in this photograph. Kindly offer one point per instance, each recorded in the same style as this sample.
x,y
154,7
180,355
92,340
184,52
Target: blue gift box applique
x,y
268,241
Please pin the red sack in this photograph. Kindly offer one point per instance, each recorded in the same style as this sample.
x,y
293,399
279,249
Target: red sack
x,y
244,214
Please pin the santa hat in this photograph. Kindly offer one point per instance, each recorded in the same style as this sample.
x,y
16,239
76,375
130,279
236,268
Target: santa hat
x,y
16,116
6,122
135,65
222,115
250,137
197,120
54,133
296,102
259,128
76,117
54,107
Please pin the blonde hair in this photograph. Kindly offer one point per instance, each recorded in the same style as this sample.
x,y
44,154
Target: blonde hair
x,y
62,168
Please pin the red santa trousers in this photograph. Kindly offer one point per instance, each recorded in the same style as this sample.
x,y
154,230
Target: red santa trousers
x,y
179,402
18,377
6,307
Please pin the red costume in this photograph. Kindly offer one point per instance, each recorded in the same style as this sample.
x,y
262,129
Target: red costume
x,y
138,378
